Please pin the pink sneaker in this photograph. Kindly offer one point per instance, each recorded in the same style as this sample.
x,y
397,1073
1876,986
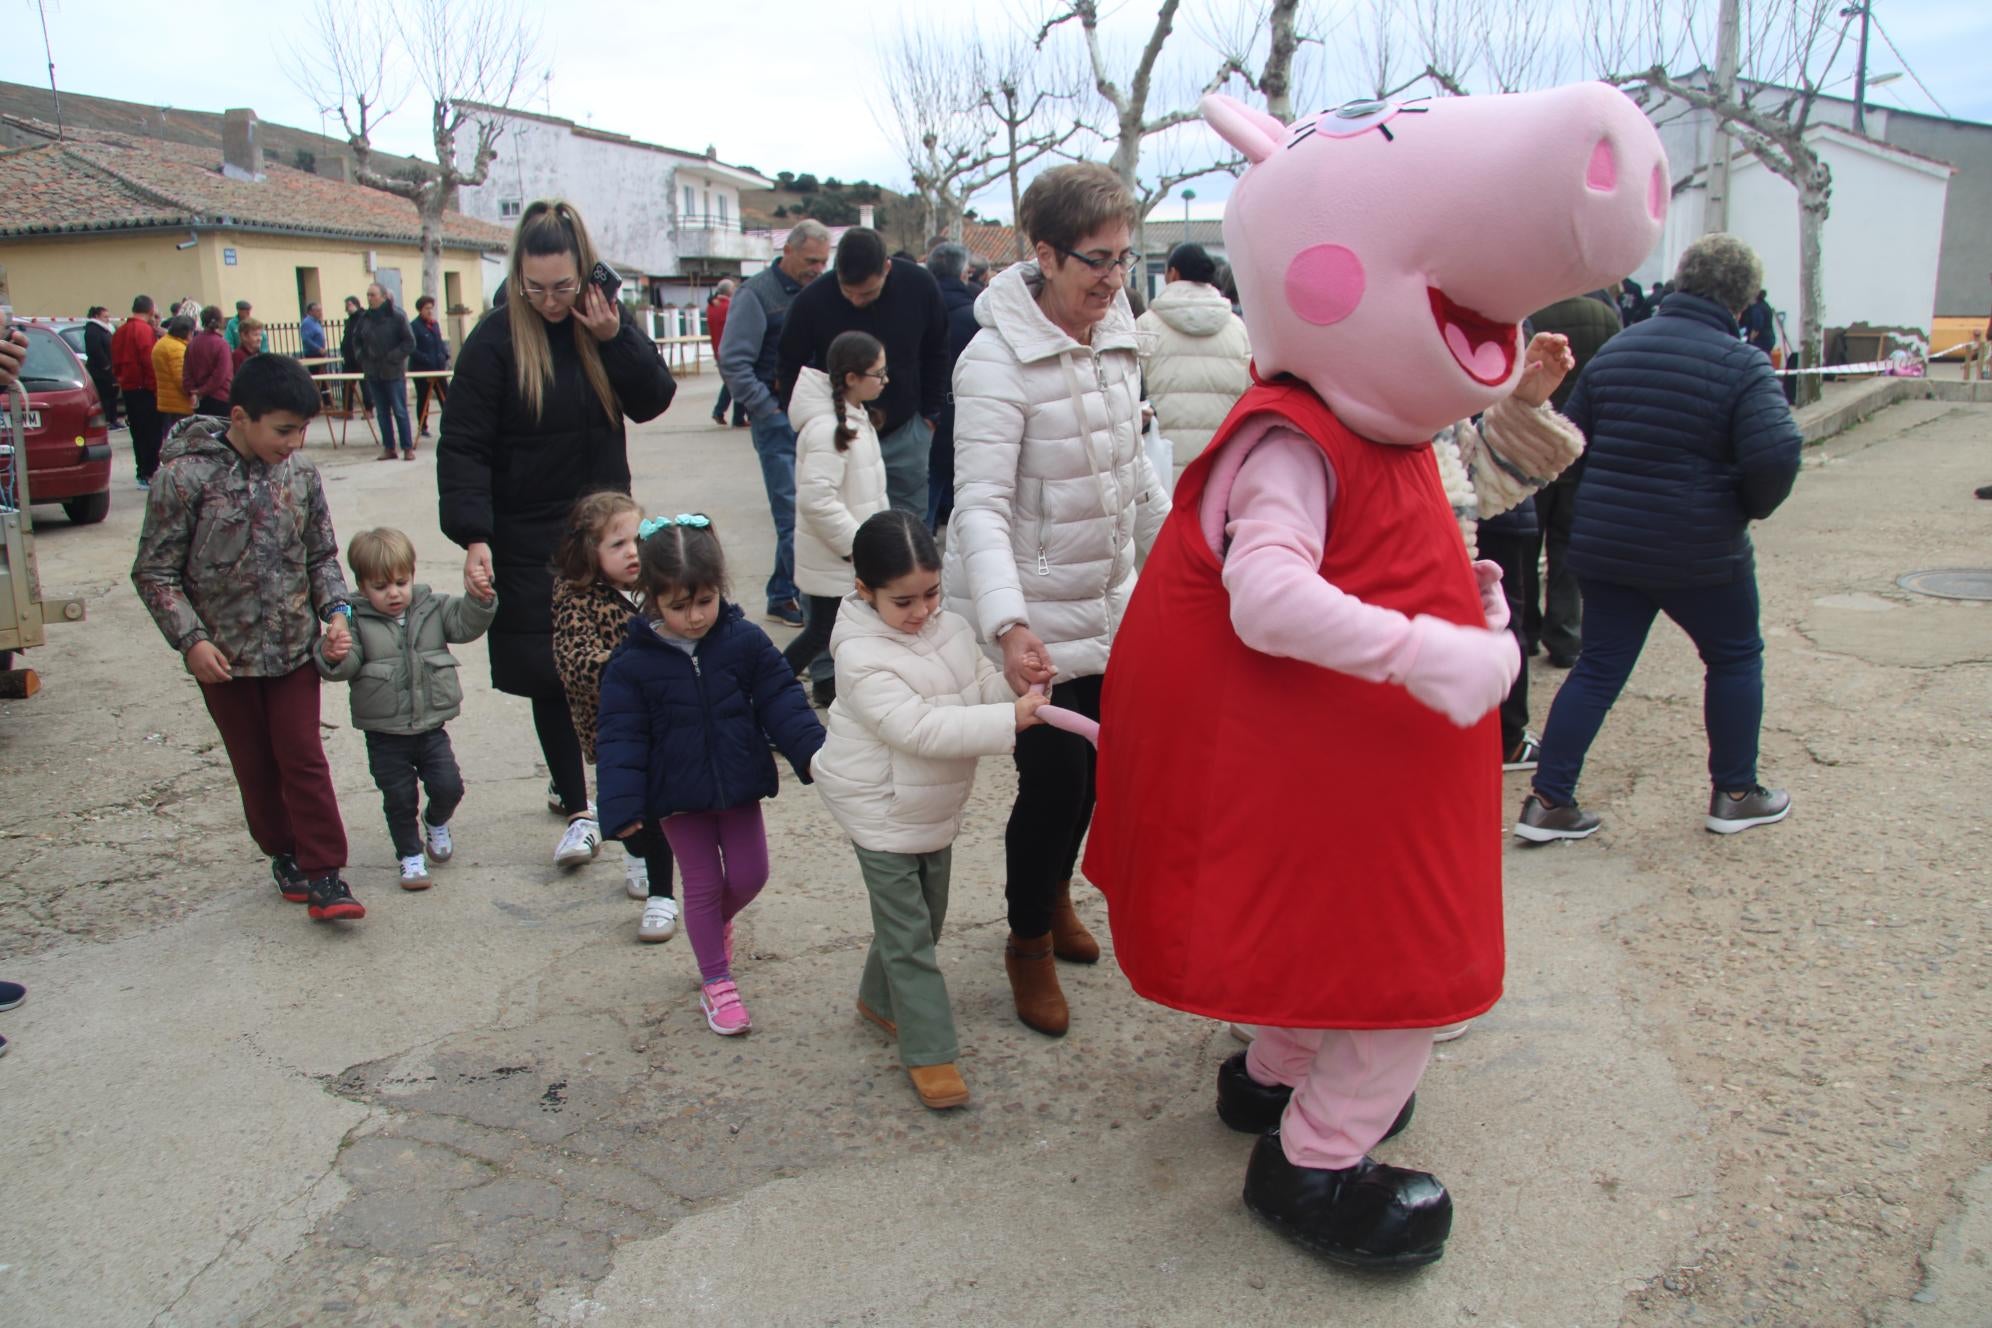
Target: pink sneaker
x,y
725,1013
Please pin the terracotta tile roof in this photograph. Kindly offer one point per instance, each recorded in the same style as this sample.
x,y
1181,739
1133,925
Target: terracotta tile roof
x,y
93,182
997,244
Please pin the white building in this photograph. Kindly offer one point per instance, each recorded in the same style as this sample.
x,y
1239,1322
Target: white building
x,y
1883,240
669,221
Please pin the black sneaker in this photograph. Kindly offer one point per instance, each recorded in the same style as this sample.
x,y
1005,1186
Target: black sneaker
x,y
1524,756
332,901
1983,491
11,995
1250,1107
292,883
1728,813
1366,1216
1541,823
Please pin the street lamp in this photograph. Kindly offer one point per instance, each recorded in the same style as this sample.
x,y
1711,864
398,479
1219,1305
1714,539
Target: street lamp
x,y
1189,196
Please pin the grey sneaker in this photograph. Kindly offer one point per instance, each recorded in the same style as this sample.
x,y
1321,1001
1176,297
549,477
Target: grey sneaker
x,y
1541,823
1760,806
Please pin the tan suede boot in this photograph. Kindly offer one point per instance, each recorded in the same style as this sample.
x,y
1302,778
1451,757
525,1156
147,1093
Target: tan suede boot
x,y
939,1086
1034,983
1070,940
866,1012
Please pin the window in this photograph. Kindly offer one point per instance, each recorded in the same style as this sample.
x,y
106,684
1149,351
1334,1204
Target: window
x,y
691,202
724,220
510,208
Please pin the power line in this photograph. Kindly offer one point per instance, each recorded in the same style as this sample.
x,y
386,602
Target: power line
x,y
1910,69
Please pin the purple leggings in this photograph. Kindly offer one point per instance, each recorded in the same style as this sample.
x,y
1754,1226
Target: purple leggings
x,y
722,865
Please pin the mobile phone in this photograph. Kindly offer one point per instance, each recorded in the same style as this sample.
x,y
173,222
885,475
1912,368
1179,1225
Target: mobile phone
x,y
605,276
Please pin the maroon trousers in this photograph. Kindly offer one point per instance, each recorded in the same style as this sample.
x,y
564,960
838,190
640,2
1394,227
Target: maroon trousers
x,y
270,727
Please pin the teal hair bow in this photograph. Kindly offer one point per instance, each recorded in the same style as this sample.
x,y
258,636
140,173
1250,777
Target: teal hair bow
x,y
695,520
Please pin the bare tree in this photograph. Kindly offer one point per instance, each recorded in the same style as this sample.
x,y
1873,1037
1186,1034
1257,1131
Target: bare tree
x,y
1032,100
1287,26
929,97
1128,106
467,57
1789,50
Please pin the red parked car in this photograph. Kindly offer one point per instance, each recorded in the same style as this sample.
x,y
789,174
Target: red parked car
x,y
69,444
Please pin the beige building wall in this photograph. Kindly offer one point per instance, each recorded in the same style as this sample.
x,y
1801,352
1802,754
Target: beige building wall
x,y
63,277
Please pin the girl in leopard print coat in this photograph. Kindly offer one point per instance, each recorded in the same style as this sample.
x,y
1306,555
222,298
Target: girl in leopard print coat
x,y
594,597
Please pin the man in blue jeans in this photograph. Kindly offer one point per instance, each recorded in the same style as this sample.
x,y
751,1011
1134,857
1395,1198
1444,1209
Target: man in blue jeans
x,y
749,352
1690,441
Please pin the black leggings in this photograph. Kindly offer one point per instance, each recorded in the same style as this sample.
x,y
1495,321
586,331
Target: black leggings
x,y
820,616
562,748
648,843
1055,773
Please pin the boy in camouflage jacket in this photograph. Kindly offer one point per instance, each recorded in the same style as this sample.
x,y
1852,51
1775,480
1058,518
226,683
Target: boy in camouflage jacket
x,y
239,566
405,689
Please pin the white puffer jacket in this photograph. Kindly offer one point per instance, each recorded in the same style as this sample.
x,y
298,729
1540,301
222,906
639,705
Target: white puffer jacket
x,y
1050,508
1195,356
913,713
834,491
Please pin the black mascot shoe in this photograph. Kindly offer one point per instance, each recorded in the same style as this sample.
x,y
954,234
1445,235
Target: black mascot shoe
x,y
1250,1107
1366,1216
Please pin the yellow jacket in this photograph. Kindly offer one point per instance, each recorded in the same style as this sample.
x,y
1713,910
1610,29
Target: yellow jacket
x,y
169,358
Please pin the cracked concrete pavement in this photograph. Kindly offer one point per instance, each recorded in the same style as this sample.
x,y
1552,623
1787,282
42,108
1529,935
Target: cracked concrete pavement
x,y
1733,1081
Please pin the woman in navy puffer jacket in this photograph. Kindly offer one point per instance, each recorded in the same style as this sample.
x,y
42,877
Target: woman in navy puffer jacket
x,y
1690,441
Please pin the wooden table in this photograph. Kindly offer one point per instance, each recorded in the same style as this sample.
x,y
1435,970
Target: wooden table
x,y
344,414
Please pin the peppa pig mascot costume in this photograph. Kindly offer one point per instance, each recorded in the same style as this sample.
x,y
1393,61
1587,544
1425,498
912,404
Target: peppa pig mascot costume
x,y
1299,821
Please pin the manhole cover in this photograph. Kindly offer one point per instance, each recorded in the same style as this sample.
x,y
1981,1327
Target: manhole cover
x,y
1951,582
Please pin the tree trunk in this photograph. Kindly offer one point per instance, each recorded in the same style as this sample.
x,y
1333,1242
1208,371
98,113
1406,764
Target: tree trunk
x,y
1814,201
1277,80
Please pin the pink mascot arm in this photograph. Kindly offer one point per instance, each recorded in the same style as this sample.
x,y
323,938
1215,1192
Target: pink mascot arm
x,y
1069,720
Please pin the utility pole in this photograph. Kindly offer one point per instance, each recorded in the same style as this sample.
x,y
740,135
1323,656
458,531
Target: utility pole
x,y
42,7
1728,37
1860,69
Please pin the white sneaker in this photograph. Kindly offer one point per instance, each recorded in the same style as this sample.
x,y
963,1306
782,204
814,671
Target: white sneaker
x,y
579,845
415,873
440,847
553,802
1244,1032
1451,1031
636,878
660,920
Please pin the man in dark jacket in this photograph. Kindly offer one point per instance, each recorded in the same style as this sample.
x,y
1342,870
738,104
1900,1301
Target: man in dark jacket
x,y
1589,321
897,302
1690,440
749,352
947,263
1760,324
97,360
385,342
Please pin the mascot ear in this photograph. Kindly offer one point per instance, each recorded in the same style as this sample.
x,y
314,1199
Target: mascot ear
x,y
1253,133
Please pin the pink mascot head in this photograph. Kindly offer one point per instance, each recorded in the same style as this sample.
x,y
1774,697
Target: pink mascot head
x,y
1387,252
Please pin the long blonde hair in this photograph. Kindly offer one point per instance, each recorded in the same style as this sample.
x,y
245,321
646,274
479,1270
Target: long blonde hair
x,y
552,226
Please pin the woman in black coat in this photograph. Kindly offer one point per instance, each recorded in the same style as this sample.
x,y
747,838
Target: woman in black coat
x,y
534,420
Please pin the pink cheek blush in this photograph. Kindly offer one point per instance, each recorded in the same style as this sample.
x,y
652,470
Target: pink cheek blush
x,y
1324,283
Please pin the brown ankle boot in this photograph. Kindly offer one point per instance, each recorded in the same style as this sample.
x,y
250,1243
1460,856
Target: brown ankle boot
x,y
1034,982
939,1086
1070,940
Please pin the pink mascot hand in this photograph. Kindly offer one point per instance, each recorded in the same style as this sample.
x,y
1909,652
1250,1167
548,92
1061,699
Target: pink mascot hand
x,y
1493,599
1069,720
1461,672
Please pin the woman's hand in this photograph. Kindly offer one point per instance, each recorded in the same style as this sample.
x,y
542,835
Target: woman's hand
x,y
597,312
477,571
1028,706
1025,660
1546,363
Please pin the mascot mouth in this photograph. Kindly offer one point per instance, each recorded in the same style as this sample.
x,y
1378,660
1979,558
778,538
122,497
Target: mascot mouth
x,y
1483,347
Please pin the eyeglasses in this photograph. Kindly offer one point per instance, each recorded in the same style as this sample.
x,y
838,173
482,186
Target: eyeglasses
x,y
563,292
882,375
1126,262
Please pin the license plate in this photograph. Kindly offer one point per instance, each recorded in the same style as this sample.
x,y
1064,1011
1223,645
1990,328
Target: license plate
x,y
31,421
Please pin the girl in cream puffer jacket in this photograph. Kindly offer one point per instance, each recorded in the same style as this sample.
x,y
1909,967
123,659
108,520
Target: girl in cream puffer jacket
x,y
917,704
1197,359
1051,510
839,479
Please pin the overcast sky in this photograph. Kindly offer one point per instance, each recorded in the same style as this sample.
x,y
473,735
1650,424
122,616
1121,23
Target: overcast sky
x,y
773,84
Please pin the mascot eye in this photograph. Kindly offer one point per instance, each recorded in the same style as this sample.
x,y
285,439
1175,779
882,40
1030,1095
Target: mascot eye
x,y
1352,118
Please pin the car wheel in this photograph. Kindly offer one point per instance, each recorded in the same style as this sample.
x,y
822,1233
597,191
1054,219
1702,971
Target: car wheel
x,y
89,509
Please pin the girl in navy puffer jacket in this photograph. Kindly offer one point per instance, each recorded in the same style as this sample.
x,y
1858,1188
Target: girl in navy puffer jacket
x,y
690,701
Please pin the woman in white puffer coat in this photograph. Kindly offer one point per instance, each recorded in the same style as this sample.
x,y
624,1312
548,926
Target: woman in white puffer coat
x,y
839,480
1195,354
1054,503
917,703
